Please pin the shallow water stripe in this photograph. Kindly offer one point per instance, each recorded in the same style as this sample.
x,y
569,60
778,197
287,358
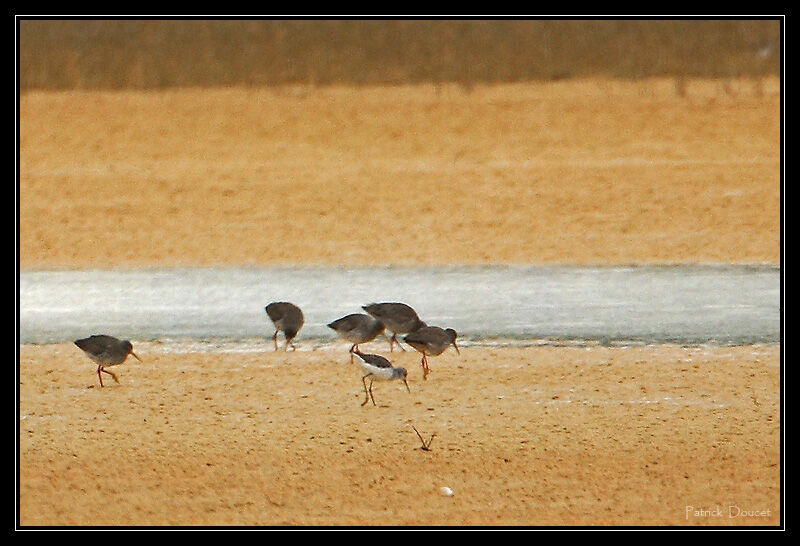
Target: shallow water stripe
x,y
541,305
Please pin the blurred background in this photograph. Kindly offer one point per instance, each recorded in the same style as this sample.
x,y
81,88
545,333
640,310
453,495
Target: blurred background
x,y
145,54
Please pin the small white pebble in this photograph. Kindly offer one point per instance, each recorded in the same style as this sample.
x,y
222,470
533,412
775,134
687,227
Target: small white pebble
x,y
446,491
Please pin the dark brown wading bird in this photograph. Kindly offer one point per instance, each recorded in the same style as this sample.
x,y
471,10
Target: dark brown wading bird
x,y
377,368
431,340
106,351
287,318
398,318
357,328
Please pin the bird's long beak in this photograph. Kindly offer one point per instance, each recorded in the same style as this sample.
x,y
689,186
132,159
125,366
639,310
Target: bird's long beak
x,y
407,388
136,357
456,346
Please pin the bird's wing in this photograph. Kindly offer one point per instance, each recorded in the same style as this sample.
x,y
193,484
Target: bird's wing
x,y
375,360
347,323
96,343
399,312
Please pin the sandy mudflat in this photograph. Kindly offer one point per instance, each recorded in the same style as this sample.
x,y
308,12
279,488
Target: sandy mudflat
x,y
589,172
586,172
524,436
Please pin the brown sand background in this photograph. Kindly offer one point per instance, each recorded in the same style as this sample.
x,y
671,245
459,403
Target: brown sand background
x,y
579,172
569,172
524,436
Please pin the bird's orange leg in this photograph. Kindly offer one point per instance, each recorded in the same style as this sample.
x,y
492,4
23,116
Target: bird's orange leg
x,y
112,374
393,341
102,369
425,368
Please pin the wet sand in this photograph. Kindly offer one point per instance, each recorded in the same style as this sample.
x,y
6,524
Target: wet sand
x,y
589,172
523,437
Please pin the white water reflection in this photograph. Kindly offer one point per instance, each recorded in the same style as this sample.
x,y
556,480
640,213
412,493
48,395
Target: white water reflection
x,y
690,304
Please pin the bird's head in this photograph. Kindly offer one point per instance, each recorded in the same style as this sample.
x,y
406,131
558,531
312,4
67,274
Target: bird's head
x,y
404,375
453,335
129,348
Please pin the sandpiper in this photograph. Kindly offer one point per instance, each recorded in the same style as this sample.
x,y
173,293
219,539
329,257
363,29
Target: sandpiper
x,y
398,318
357,328
431,340
377,368
288,318
106,351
